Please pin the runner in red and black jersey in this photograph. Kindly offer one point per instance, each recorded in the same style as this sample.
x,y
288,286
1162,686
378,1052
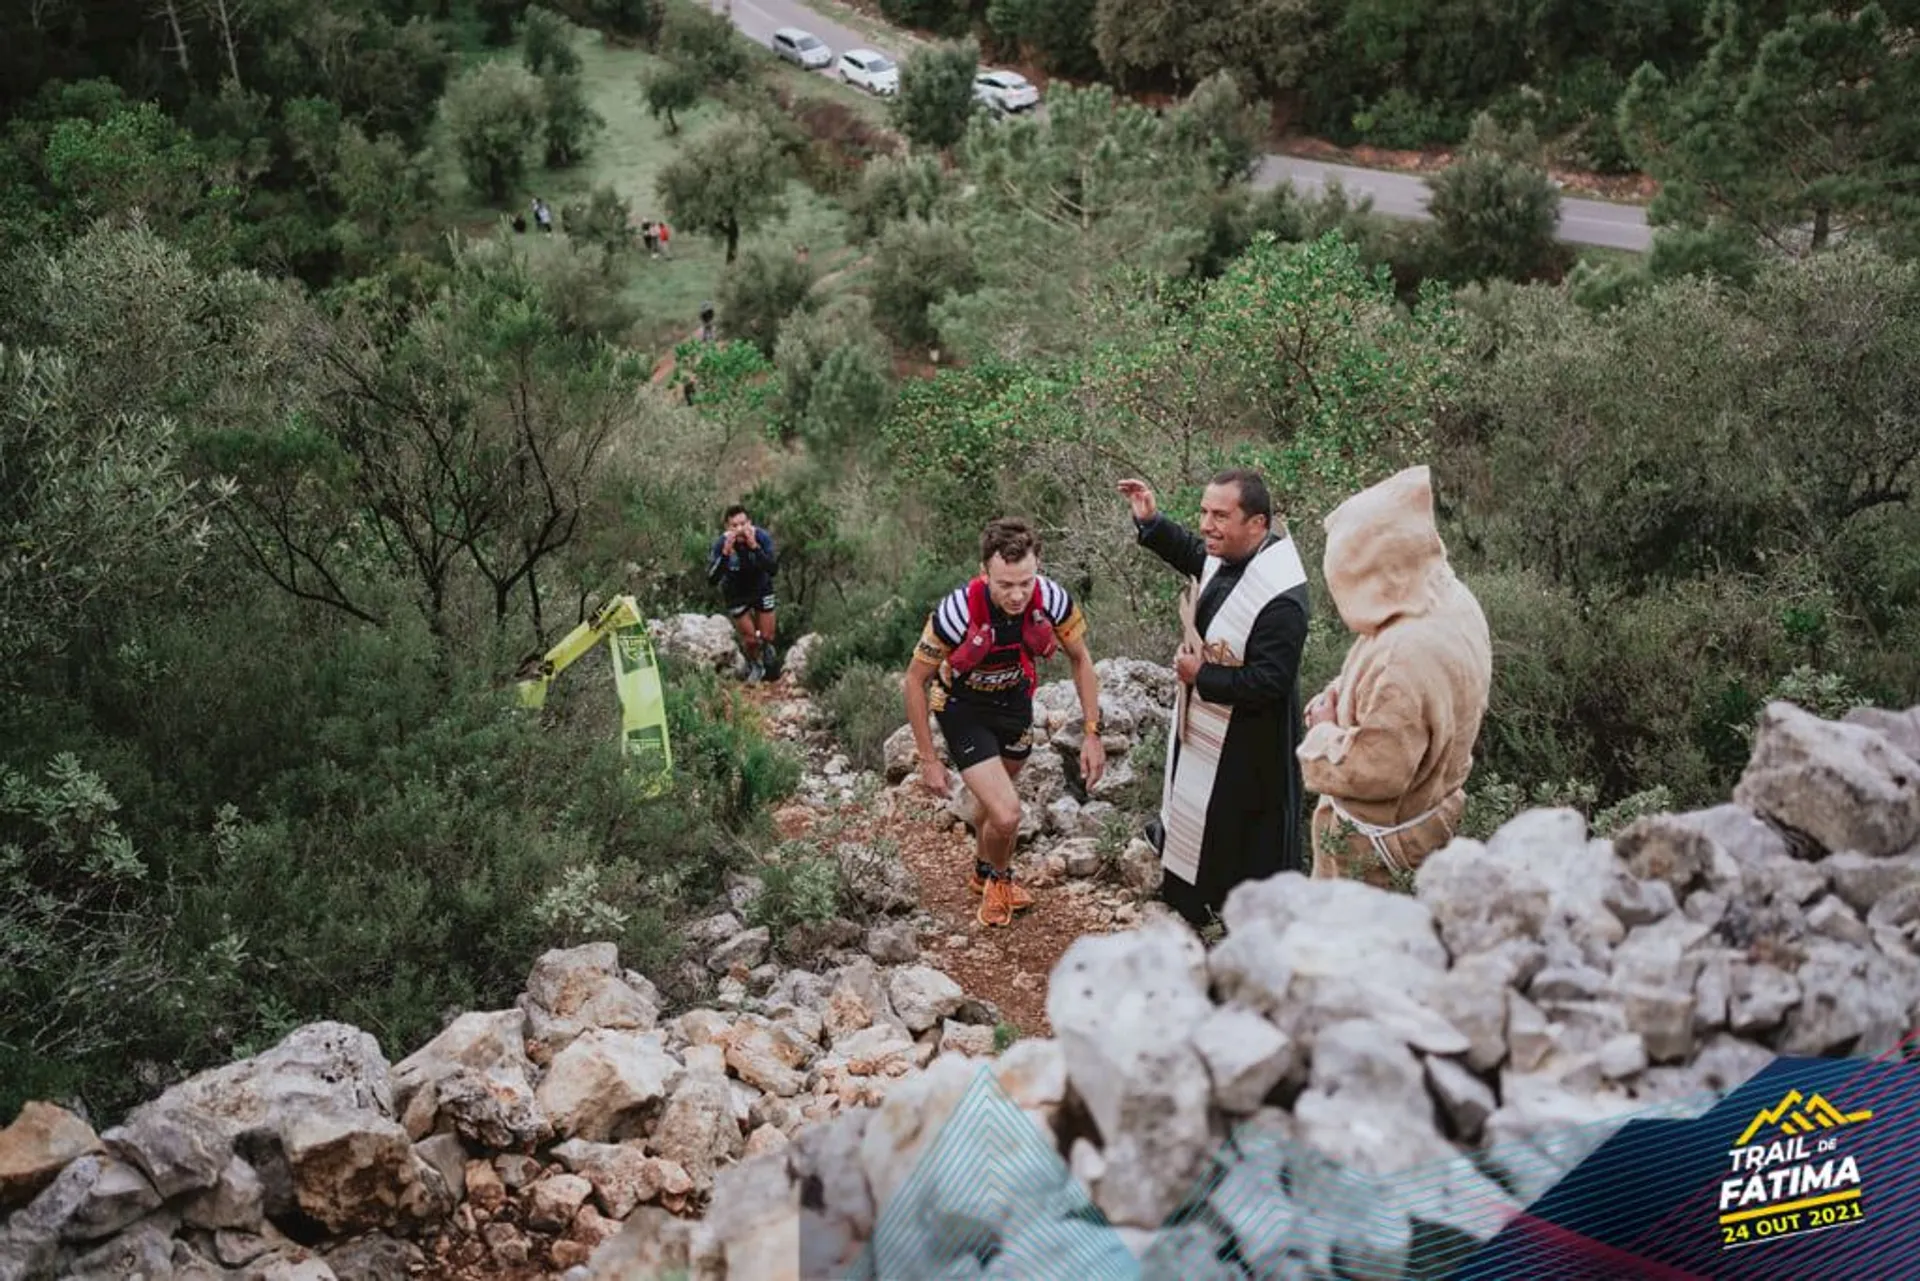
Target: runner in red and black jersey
x,y
978,654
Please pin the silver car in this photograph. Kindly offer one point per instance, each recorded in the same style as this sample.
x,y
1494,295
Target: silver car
x,y
874,72
1005,91
801,48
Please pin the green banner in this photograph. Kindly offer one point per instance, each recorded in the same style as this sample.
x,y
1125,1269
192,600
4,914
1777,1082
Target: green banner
x,y
636,682
643,704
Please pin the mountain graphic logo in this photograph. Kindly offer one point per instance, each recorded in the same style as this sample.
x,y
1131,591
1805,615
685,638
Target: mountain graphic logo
x,y
1798,1114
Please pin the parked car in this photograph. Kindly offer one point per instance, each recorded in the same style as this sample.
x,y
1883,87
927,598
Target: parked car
x,y
801,48
874,72
1005,91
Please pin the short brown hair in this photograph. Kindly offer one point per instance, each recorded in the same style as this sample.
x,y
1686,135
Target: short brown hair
x,y
1010,539
1251,487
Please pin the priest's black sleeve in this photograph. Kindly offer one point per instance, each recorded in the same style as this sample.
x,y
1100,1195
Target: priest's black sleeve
x,y
1174,543
1271,672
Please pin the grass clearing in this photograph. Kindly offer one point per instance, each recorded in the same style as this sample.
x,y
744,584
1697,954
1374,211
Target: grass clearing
x,y
819,84
1603,256
628,155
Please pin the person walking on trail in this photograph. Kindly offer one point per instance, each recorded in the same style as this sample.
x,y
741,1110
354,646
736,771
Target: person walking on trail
x,y
741,564
1389,742
974,669
663,234
1230,808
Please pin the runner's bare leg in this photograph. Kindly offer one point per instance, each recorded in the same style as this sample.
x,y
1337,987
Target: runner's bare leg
x,y
991,783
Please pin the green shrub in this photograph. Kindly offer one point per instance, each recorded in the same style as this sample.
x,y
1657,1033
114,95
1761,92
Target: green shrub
x,y
797,887
93,974
386,839
881,629
863,708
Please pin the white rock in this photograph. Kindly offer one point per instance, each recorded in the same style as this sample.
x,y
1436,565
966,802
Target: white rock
x,y
1124,1007
1478,901
1846,786
922,996
1246,1056
603,1076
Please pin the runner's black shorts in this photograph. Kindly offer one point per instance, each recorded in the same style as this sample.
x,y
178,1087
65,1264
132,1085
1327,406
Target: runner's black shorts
x,y
977,732
764,605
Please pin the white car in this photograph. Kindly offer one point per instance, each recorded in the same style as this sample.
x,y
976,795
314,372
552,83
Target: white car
x,y
802,48
874,72
1005,91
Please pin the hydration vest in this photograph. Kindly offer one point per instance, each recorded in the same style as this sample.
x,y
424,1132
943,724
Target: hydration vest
x,y
1037,639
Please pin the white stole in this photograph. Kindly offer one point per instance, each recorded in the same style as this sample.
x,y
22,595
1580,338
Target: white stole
x,y
1199,729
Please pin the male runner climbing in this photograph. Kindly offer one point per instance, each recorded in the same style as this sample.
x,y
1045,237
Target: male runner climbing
x,y
981,643
742,562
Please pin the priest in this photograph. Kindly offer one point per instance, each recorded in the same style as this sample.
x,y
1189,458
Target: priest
x,y
1230,809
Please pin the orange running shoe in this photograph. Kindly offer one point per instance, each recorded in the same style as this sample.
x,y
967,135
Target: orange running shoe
x,y
1017,893
996,903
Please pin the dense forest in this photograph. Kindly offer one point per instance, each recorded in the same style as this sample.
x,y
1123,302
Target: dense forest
x,y
304,446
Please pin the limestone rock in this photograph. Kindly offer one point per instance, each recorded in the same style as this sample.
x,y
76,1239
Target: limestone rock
x,y
574,990
1861,880
746,949
892,943
317,1112
704,640
876,877
352,1173
476,1073
698,1128
922,996
553,1201
768,1056
1245,1055
1579,874
1124,1008
966,1038
1846,786
37,1146
1479,902
799,655
1852,998
1465,1100
601,1078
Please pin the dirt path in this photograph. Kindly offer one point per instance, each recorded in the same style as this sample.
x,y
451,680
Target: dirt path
x,y
1008,966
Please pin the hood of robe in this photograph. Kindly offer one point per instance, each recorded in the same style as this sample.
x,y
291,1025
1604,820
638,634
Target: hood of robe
x,y
1384,559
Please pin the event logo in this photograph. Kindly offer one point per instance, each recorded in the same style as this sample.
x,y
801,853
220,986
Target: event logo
x,y
1790,1173
635,653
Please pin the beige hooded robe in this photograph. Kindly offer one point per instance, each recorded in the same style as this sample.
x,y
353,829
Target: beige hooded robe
x,y
1410,697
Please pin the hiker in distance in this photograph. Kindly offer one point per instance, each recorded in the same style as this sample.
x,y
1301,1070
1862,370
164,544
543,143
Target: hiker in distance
x,y
1230,808
741,563
1389,742
975,670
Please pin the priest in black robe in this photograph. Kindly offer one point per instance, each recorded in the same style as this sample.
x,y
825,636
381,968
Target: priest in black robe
x,y
1241,706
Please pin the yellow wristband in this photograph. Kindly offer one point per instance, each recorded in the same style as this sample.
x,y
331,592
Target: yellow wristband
x,y
1091,727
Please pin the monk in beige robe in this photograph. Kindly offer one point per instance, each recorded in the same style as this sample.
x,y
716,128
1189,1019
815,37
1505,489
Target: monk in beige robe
x,y
1389,743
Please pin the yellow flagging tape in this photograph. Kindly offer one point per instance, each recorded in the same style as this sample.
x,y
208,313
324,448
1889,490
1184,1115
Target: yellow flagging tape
x,y
636,682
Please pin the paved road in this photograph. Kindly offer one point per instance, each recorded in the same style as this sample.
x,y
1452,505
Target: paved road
x,y
1582,222
1399,195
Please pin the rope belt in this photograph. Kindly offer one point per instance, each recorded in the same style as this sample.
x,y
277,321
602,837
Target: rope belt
x,y
1377,835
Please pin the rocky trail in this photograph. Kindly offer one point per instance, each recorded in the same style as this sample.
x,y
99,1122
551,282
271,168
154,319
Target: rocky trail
x,y
1007,967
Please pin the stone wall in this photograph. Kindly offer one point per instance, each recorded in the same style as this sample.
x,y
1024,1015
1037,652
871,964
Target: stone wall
x,y
1533,993
517,1136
